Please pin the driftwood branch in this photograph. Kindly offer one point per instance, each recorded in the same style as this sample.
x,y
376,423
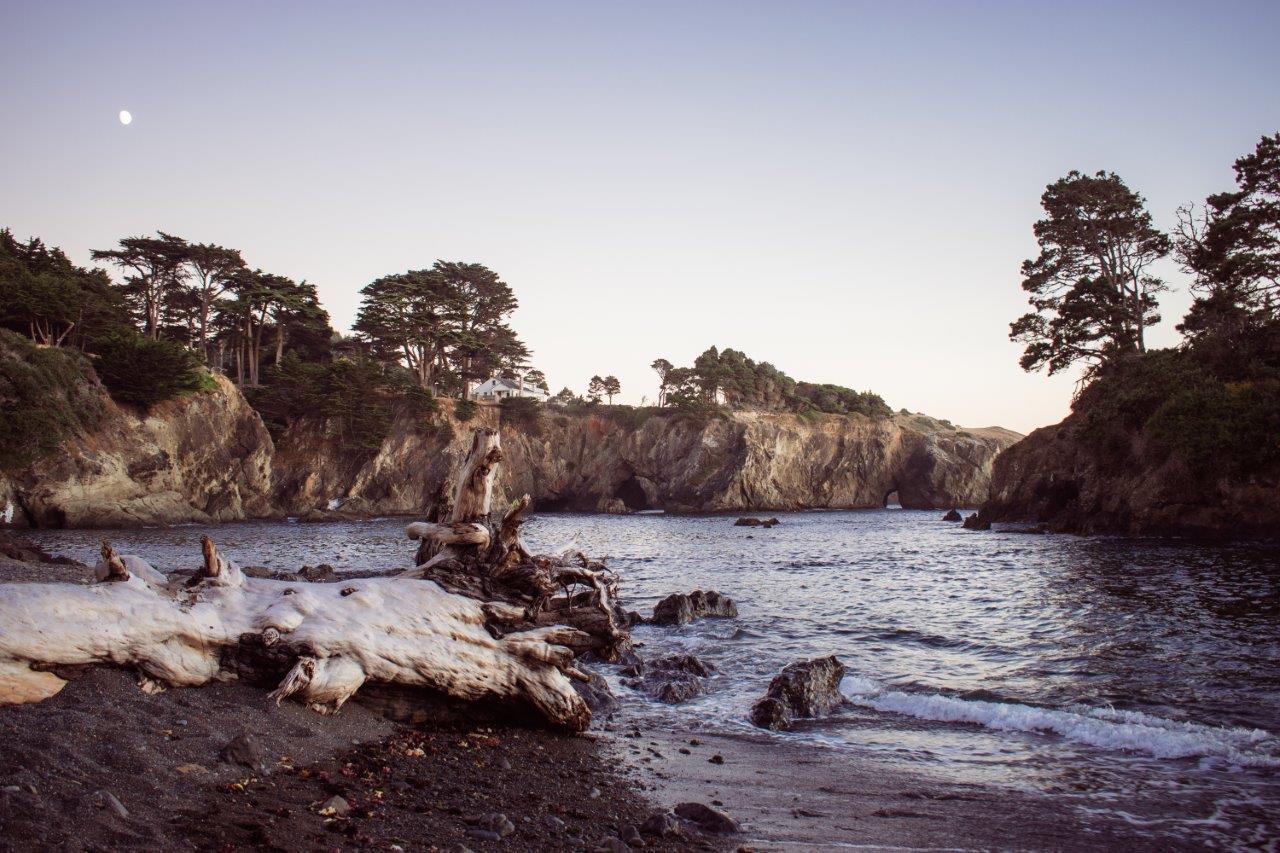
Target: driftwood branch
x,y
479,617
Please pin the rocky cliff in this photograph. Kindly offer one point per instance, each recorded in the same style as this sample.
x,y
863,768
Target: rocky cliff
x,y
81,460
204,457
1058,477
749,460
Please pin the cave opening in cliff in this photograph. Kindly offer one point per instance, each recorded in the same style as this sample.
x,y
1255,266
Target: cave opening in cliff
x,y
891,500
631,493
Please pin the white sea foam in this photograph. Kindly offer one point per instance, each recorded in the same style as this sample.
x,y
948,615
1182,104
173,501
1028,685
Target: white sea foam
x,y
1106,728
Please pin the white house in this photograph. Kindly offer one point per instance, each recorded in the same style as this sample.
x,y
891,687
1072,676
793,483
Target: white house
x,y
495,389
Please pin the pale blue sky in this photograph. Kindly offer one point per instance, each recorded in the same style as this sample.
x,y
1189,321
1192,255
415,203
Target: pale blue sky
x,y
843,189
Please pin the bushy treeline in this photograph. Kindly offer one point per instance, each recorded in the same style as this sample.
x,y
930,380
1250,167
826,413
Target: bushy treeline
x,y
729,378
1214,402
183,310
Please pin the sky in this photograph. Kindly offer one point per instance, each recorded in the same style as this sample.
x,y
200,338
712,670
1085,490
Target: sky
x,y
845,190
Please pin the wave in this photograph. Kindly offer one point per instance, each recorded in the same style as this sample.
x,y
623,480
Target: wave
x,y
1106,728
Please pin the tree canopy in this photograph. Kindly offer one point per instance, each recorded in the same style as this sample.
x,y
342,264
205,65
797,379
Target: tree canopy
x,y
1090,287
447,324
731,378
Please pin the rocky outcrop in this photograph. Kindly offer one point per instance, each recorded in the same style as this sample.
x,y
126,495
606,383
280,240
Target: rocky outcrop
x,y
208,457
808,688
672,679
1058,479
681,609
204,457
589,462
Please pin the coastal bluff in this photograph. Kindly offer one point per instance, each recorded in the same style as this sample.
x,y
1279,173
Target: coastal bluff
x,y
208,457
200,458
597,462
1059,477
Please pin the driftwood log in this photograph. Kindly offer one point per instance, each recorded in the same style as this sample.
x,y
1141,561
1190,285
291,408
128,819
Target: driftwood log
x,y
478,618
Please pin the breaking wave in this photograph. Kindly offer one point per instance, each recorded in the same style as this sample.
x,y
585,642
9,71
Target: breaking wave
x,y
1105,728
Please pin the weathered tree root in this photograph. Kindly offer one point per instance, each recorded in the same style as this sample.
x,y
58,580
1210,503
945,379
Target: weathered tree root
x,y
472,551
496,621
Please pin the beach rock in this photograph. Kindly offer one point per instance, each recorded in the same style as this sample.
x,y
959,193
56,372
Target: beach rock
x,y
803,689
661,824
976,522
708,819
612,845
245,750
497,823
335,806
673,679
483,835
755,522
631,836
109,801
595,692
770,713
953,515
681,609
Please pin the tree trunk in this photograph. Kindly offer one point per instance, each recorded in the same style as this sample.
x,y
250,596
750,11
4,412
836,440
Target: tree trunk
x,y
497,622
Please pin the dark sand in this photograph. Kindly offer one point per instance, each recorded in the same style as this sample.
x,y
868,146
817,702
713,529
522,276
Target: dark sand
x,y
793,796
104,766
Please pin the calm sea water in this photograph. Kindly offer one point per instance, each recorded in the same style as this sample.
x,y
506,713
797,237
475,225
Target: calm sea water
x,y
1135,680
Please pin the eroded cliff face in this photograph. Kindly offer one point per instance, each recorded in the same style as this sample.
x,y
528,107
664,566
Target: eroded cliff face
x,y
205,457
1055,477
750,460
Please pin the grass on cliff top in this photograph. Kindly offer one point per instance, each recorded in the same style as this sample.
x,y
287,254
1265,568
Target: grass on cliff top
x,y
46,396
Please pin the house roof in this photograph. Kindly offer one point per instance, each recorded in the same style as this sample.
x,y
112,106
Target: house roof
x,y
497,383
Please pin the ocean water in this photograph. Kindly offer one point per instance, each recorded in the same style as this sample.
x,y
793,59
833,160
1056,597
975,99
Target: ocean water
x,y
1134,680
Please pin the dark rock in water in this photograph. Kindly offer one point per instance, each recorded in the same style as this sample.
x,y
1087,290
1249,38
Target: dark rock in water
x,y
755,522
661,824
686,664
808,688
245,750
673,679
1038,529
708,819
953,515
770,713
595,692
681,609
612,506
976,522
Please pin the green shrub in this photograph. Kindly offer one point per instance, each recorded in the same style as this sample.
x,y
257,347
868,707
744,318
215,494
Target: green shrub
x,y
1231,429
464,410
143,372
351,392
629,417
419,402
522,413
46,395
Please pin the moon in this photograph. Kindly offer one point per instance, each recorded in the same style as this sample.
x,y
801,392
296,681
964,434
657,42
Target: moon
x,y
125,116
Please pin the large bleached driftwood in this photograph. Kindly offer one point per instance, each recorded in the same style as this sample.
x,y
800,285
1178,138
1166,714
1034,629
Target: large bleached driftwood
x,y
479,618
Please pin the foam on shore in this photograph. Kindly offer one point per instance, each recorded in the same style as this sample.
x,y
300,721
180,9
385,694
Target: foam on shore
x,y
1105,728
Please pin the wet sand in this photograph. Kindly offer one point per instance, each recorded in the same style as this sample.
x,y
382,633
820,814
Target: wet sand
x,y
794,796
